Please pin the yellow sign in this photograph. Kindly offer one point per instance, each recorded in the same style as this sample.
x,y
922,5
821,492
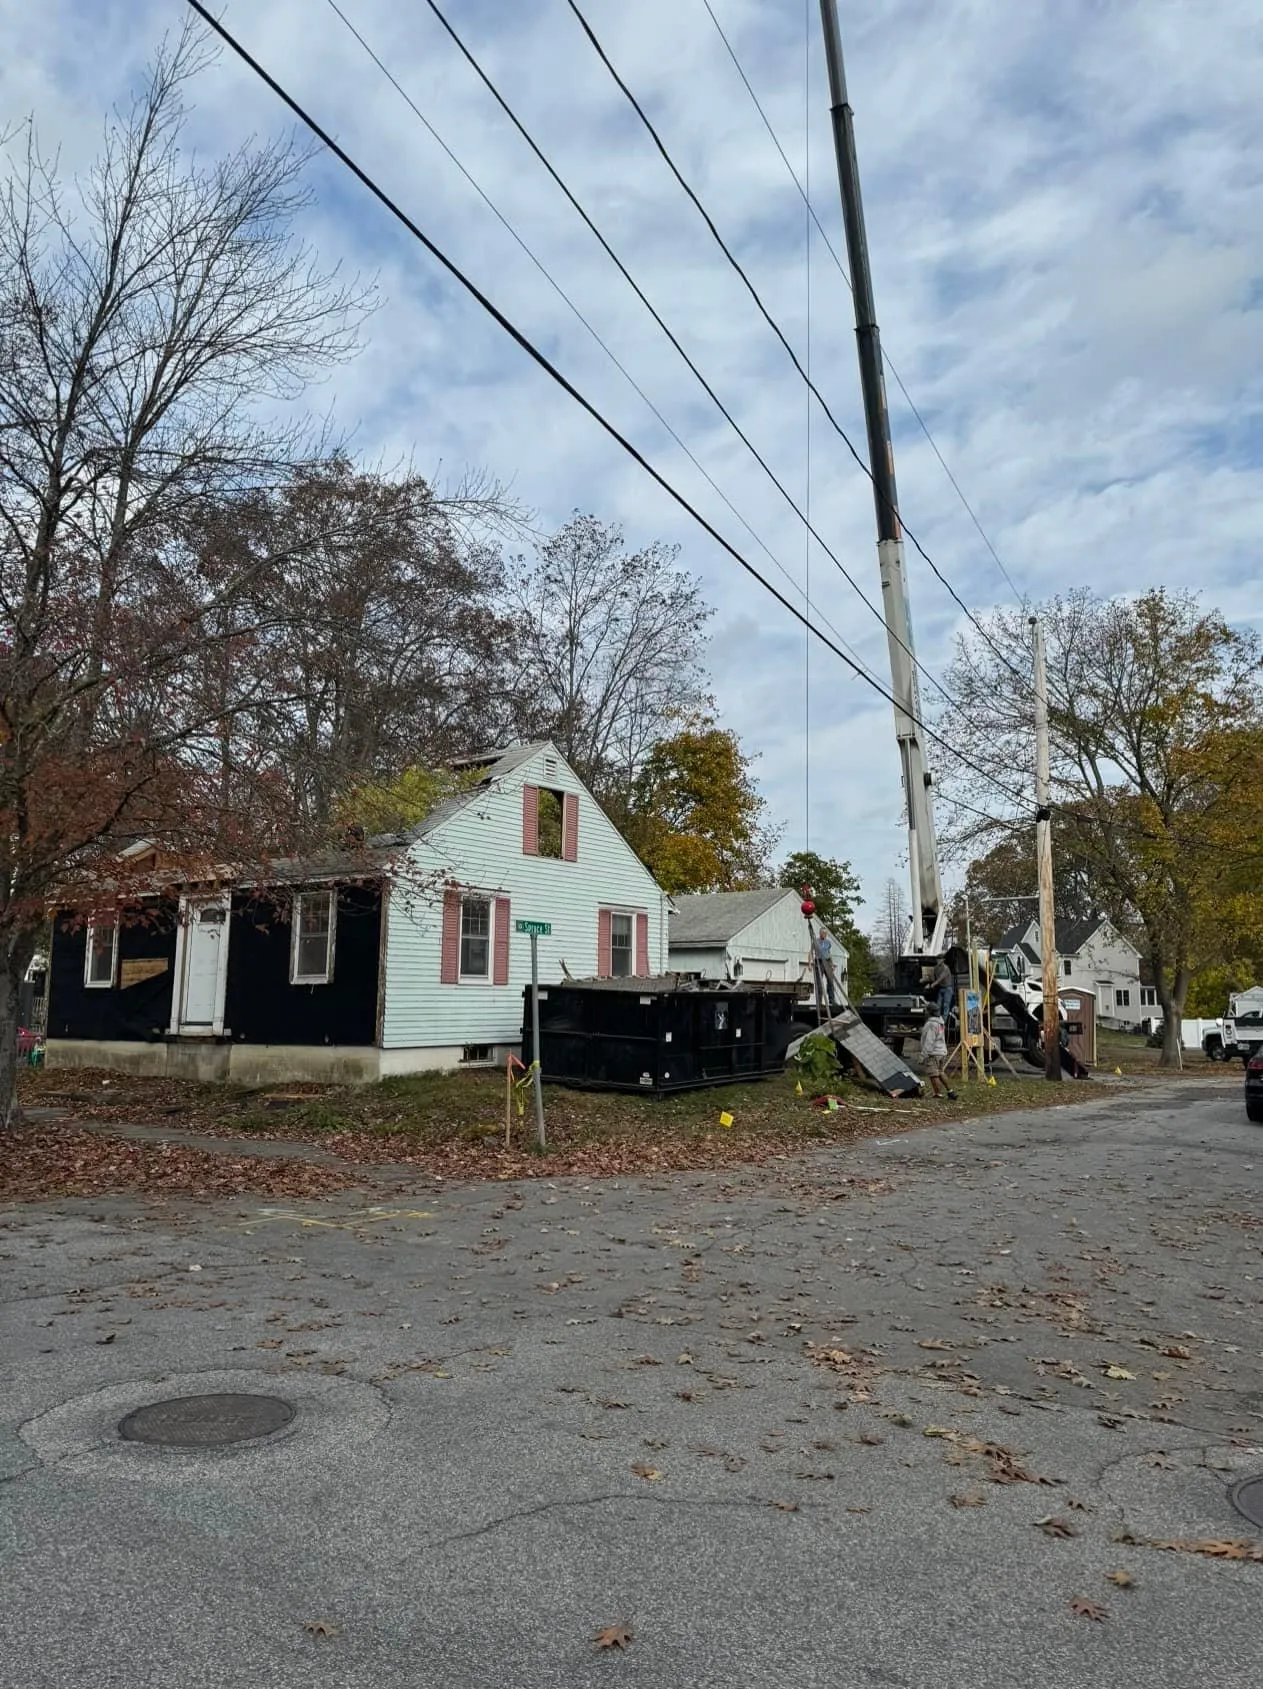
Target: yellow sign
x,y
142,967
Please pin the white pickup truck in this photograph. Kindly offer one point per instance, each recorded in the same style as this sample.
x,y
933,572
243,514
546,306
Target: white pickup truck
x,y
1239,1035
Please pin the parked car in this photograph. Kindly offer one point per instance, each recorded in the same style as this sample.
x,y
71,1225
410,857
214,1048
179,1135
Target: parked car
x,y
1254,1088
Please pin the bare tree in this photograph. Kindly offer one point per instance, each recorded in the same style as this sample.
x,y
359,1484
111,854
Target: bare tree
x,y
150,316
891,931
610,649
1156,721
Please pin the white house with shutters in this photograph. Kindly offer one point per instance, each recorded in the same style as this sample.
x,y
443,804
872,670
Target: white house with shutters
x,y
396,956
528,842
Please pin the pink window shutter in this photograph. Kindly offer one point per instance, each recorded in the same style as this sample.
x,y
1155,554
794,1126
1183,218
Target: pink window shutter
x,y
530,820
449,953
604,959
501,973
570,828
642,946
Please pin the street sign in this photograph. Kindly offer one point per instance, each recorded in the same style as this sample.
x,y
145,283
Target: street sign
x,y
537,929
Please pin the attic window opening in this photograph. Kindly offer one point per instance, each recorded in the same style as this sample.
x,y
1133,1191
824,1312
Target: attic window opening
x,y
552,806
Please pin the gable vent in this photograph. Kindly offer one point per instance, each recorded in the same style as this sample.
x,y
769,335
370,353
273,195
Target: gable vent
x,y
550,766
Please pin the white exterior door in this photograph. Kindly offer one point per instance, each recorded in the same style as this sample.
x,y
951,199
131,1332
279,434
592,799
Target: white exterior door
x,y
205,963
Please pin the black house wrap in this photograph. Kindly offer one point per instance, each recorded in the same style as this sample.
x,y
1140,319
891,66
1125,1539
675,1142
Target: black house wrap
x,y
140,1011
262,1007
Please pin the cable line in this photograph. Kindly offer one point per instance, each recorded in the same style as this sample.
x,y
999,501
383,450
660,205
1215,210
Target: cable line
x,y
483,76
636,106
545,363
596,336
804,192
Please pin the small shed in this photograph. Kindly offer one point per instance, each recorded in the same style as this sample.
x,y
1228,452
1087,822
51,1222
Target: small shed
x,y
754,936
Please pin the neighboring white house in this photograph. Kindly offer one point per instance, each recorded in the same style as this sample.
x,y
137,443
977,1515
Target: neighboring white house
x,y
1092,955
529,843
753,935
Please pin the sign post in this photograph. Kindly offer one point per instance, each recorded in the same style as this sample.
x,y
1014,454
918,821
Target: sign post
x,y
535,931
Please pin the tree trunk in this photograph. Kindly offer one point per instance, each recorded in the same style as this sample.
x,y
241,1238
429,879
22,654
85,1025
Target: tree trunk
x,y
10,982
1172,1005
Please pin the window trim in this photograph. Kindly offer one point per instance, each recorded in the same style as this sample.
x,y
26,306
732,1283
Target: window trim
x,y
89,983
331,903
462,978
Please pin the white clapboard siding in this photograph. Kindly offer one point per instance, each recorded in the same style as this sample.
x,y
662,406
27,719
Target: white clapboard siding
x,y
480,847
773,946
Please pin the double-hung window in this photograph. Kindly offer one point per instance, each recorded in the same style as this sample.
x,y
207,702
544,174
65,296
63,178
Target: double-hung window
x,y
311,955
475,938
100,962
621,942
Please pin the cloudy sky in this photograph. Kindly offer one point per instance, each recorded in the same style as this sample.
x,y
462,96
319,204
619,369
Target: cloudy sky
x,y
1065,209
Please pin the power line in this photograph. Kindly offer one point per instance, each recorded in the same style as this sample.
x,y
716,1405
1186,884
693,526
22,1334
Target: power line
x,y
567,386
491,87
776,328
596,336
841,268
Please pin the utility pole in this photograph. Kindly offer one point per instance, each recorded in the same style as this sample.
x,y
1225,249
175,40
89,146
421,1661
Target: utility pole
x,y
1043,853
928,913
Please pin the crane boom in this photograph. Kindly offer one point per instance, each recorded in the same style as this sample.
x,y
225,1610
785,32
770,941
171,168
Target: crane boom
x,y
927,927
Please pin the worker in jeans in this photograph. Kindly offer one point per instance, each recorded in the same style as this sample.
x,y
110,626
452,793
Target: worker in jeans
x,y
943,987
934,1054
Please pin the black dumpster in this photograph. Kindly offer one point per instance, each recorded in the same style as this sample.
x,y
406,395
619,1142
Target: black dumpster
x,y
658,1035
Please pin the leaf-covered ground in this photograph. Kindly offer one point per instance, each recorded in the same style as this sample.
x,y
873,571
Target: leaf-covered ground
x,y
448,1124
59,1160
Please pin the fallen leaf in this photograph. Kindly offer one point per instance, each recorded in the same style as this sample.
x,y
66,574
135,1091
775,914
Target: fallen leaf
x,y
613,1636
1118,1372
1054,1526
650,1474
969,1498
108,1338
322,1627
870,1439
1086,1609
933,1343
1121,1580
784,1506
1176,1352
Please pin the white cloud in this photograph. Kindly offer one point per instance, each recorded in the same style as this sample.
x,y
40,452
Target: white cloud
x,y
1065,206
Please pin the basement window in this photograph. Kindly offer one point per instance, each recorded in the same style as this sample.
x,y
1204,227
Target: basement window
x,y
473,1053
311,955
100,962
552,808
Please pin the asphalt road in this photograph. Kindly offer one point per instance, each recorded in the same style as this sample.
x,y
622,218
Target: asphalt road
x,y
478,1372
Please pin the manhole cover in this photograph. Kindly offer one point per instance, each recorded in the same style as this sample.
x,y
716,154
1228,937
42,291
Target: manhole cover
x,y
1247,1498
203,1422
